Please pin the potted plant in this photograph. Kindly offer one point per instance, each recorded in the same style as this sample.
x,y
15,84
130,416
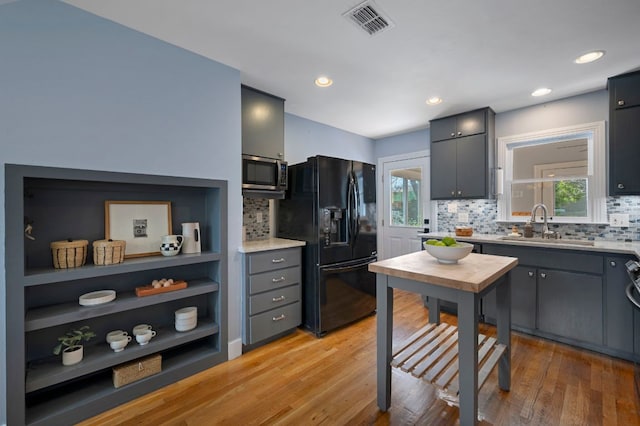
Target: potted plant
x,y
73,350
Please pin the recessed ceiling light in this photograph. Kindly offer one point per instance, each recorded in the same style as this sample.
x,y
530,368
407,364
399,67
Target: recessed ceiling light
x,y
434,100
323,81
541,92
589,57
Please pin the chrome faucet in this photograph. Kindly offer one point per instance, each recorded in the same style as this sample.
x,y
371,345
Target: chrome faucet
x,y
545,227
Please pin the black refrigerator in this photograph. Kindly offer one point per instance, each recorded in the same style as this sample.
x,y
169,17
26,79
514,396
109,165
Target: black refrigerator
x,y
331,204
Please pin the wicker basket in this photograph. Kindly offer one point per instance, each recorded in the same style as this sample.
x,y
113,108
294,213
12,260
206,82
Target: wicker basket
x,y
69,253
108,252
464,231
135,370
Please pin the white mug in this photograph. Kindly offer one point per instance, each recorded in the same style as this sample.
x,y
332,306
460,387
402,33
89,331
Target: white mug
x,y
113,335
141,328
119,343
191,234
143,337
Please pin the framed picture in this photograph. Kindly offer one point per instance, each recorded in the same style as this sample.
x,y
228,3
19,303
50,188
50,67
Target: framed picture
x,y
142,224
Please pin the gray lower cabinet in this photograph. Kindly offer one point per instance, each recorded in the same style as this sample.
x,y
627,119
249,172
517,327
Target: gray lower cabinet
x,y
574,297
570,305
523,299
42,302
619,311
271,295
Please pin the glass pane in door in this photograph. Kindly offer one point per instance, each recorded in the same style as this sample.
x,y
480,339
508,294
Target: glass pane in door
x,y
405,190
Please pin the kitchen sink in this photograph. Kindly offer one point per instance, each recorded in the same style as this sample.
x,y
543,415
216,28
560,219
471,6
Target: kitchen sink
x,y
548,240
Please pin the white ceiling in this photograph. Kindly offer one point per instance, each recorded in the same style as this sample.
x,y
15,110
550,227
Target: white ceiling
x,y
472,53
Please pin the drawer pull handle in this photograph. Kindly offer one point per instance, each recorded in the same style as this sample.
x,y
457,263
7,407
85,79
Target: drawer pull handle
x,y
277,260
543,275
277,280
279,318
278,299
530,273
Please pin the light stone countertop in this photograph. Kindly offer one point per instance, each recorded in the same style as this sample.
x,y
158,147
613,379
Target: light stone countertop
x,y
269,244
605,246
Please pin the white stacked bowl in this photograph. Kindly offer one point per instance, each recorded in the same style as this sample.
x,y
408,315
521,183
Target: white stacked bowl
x,y
186,318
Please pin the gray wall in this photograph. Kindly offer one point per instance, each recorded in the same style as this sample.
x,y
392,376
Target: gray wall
x,y
79,91
402,144
305,138
585,108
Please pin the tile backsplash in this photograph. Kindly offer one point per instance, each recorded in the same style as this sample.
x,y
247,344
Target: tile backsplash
x,y
483,213
252,208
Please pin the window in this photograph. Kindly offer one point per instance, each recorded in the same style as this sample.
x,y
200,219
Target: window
x,y
406,206
562,168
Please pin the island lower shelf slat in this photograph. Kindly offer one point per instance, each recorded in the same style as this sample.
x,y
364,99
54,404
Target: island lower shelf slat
x,y
431,354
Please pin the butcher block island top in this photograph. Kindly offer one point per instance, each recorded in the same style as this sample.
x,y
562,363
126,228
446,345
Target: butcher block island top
x,y
473,273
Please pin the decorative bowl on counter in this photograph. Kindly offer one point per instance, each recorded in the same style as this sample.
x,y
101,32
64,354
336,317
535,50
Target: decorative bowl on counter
x,y
449,254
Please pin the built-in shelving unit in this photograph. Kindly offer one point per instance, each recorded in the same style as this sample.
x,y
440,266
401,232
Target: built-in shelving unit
x,y
42,302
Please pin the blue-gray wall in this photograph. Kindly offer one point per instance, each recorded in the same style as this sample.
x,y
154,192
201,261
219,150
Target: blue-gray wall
x,y
402,144
79,91
305,138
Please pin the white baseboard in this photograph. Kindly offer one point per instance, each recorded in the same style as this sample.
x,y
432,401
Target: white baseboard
x,y
235,348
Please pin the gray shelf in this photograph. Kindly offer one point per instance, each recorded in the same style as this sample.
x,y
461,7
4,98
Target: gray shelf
x,y
52,275
51,316
42,300
69,407
97,357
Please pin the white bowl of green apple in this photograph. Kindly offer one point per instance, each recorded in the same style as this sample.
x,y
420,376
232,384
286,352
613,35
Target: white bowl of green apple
x,y
447,250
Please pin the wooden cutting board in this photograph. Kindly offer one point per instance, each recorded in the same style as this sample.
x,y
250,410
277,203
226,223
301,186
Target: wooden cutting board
x,y
149,290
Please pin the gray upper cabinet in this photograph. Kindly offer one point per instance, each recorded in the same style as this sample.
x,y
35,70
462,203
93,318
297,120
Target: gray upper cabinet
x,y
462,155
262,124
624,127
455,126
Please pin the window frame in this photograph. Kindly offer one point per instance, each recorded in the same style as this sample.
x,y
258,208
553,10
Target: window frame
x,y
596,173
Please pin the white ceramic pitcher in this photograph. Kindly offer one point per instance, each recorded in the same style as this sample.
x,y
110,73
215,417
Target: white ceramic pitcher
x,y
191,233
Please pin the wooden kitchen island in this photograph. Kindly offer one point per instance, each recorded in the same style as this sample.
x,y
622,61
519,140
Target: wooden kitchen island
x,y
463,283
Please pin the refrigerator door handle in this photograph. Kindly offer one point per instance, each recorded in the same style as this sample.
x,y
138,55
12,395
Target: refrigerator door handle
x,y
350,267
350,209
356,203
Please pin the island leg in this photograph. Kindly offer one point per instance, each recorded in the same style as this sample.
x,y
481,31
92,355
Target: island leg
x,y
384,332
503,324
468,358
434,310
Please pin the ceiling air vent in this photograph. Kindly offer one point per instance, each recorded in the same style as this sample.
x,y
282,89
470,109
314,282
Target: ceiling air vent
x,y
368,16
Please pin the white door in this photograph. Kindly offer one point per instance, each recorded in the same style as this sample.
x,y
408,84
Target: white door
x,y
405,204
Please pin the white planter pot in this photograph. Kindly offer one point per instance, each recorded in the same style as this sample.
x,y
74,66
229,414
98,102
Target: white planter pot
x,y
72,355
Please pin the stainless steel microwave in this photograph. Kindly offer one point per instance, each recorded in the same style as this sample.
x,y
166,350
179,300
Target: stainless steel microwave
x,y
263,177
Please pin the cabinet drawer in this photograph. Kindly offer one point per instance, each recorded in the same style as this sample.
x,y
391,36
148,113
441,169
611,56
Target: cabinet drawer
x,y
273,299
274,279
549,258
275,259
275,321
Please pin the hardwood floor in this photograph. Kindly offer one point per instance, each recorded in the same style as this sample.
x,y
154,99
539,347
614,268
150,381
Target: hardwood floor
x,y
302,380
